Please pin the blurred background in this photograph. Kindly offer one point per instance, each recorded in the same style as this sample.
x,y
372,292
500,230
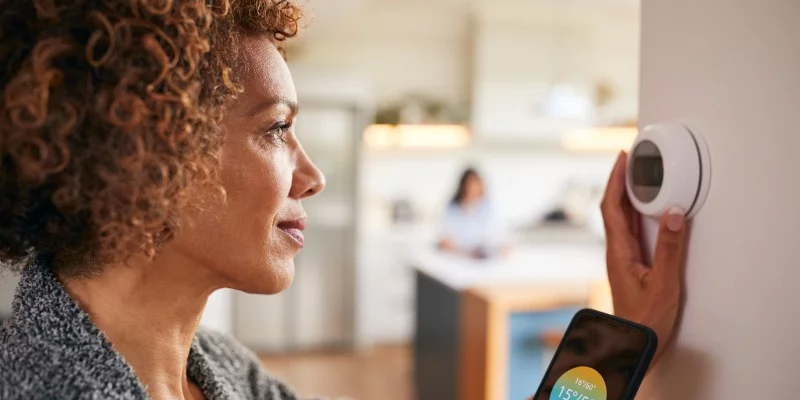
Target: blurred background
x,y
410,288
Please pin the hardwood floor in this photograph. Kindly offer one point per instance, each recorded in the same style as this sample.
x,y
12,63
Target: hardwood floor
x,y
380,374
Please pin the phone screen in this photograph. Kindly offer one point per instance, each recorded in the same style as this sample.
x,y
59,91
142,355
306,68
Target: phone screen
x,y
597,360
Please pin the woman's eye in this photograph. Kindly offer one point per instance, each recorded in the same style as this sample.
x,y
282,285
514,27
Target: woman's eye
x,y
278,131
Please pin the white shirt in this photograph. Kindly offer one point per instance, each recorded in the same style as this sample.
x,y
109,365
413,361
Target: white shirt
x,y
473,228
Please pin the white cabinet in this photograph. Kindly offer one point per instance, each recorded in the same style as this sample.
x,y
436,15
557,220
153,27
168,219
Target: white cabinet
x,y
386,286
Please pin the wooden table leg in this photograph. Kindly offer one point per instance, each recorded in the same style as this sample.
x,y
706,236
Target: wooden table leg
x,y
483,356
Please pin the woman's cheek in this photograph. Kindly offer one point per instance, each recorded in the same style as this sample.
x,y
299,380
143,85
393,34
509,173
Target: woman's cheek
x,y
279,167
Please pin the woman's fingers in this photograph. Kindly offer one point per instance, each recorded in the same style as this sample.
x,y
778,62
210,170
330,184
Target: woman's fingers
x,y
670,247
620,219
612,204
633,217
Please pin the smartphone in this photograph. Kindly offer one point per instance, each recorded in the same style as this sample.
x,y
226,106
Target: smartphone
x,y
600,357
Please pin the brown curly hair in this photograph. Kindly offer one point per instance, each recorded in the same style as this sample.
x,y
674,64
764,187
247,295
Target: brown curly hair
x,y
110,117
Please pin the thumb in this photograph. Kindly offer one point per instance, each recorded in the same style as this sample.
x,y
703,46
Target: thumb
x,y
671,244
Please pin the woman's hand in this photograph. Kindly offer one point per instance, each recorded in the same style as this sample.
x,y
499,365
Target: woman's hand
x,y
648,294
448,245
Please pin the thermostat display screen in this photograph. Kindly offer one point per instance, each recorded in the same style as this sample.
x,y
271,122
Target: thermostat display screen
x,y
648,171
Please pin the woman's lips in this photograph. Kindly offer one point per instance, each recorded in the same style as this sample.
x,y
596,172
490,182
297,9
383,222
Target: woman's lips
x,y
294,228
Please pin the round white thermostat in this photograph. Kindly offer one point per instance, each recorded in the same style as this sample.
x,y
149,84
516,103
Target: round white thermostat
x,y
668,166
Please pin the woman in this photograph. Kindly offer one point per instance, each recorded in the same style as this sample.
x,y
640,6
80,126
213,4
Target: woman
x,y
147,159
469,226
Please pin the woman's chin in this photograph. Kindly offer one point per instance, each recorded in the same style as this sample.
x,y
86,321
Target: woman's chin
x,y
269,279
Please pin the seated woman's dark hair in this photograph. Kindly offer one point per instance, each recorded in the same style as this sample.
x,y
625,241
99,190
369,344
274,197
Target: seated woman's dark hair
x,y
468,173
110,117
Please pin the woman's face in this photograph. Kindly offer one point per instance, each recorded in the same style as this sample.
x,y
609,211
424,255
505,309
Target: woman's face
x,y
473,189
249,242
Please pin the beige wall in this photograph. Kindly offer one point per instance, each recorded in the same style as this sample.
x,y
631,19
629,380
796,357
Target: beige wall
x,y
732,68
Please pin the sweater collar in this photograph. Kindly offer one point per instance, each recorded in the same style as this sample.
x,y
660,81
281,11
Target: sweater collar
x,y
45,316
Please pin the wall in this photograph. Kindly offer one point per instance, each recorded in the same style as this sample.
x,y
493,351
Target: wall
x,y
730,67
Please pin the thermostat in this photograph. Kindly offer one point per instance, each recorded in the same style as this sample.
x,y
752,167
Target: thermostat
x,y
668,166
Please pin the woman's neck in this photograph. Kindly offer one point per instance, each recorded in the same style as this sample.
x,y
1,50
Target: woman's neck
x,y
150,312
470,204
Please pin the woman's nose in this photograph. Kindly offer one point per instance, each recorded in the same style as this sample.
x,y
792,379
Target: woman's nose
x,y
308,180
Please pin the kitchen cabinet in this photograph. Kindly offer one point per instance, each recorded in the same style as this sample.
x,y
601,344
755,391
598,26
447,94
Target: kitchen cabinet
x,y
538,69
531,81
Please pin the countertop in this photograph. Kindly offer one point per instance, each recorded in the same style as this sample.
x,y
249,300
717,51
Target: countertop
x,y
580,265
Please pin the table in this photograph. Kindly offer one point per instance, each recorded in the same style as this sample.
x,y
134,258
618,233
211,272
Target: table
x,y
472,316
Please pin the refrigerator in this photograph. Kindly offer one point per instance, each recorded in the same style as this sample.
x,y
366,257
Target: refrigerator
x,y
318,310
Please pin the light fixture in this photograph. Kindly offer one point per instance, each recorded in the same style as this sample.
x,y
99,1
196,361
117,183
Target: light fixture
x,y
416,136
600,139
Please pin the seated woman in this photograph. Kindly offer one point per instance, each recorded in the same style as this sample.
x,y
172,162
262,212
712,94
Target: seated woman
x,y
469,225
147,159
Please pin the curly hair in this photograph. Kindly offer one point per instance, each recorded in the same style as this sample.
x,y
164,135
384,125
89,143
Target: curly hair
x,y
110,118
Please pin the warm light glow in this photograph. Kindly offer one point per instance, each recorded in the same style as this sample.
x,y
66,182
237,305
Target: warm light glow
x,y
416,136
600,298
600,139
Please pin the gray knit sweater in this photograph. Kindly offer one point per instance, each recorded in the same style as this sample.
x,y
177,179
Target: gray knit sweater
x,y
50,349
